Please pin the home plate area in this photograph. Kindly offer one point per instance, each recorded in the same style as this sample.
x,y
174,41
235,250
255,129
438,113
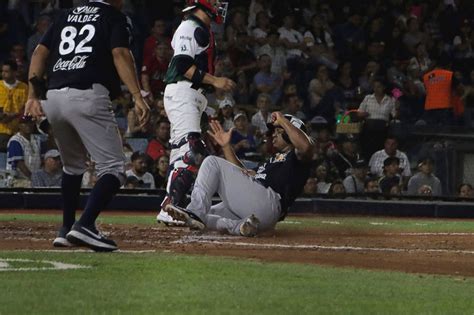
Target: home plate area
x,y
432,253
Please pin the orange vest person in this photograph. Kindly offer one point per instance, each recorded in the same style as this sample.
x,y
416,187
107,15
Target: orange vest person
x,y
438,84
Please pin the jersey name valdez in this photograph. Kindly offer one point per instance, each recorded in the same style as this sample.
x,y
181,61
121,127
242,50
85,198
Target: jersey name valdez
x,y
286,175
81,42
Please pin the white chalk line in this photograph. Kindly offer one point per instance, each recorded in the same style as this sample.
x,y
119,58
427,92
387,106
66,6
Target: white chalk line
x,y
54,265
189,240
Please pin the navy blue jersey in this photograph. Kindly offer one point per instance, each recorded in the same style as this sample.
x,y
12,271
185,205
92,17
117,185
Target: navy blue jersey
x,y
80,42
286,175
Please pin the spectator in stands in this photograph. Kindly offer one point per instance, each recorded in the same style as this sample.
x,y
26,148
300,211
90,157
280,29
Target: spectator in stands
x,y
319,41
371,185
131,182
396,74
354,183
157,33
337,189
377,110
161,171
18,54
321,97
261,118
322,178
47,136
347,84
413,36
266,81
439,84
237,25
242,140
154,70
50,174
465,191
275,49
139,170
225,114
425,177
421,60
90,176
390,149
366,79
41,25
23,148
311,187
463,42
349,36
13,96
292,105
295,46
159,145
261,31
346,155
391,174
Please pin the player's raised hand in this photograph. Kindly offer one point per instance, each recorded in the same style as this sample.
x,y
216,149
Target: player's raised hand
x,y
277,117
218,134
33,108
225,84
143,111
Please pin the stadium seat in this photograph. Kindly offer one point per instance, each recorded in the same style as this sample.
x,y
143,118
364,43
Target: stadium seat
x,y
137,144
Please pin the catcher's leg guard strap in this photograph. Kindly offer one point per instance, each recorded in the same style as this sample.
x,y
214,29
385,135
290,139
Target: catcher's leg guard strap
x,y
181,180
197,150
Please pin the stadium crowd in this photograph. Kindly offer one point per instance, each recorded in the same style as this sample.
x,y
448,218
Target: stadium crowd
x,y
330,63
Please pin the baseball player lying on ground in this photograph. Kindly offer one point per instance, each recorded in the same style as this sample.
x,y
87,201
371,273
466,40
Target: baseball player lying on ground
x,y
252,201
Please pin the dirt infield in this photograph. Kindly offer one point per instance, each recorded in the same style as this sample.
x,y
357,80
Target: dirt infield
x,y
431,253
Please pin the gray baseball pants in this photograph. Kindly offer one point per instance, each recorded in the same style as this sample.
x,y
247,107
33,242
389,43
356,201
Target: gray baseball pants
x,y
241,197
83,122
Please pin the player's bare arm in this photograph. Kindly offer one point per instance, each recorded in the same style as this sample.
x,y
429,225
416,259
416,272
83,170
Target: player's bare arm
x,y
125,65
222,138
37,69
303,145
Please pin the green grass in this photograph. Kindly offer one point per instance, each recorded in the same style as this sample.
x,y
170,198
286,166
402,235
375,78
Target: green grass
x,y
293,222
167,283
162,283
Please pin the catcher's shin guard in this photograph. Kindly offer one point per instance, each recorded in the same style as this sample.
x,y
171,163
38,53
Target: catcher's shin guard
x,y
181,180
197,150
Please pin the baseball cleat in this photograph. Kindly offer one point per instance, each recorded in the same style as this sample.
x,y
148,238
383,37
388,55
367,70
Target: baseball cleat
x,y
250,226
90,237
61,240
166,219
191,220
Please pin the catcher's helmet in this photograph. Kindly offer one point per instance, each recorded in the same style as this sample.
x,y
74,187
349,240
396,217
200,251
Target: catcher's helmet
x,y
295,121
215,9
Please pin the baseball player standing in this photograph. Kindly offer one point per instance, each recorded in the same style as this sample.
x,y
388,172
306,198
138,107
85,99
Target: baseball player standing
x,y
188,76
86,53
251,201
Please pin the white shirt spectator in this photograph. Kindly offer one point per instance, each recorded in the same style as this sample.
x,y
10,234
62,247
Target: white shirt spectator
x,y
376,162
147,179
293,36
327,37
378,110
259,121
